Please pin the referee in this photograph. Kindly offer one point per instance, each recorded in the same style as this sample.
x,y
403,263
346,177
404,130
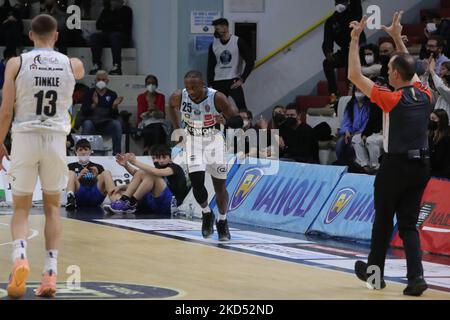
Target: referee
x,y
404,171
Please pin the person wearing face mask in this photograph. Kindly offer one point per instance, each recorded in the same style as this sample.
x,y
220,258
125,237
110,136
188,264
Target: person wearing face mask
x,y
435,26
356,117
152,188
337,31
115,25
434,50
230,62
89,183
371,66
439,140
442,87
100,112
369,144
300,142
151,115
387,51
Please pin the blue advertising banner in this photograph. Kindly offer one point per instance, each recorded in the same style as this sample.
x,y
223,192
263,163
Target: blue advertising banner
x,y
349,212
287,199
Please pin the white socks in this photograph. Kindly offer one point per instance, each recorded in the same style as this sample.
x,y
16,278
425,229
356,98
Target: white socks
x,y
51,262
222,217
19,250
206,210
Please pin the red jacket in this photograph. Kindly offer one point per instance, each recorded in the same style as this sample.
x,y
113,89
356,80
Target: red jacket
x,y
160,102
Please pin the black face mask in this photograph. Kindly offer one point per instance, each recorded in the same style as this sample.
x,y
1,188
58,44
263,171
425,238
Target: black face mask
x,y
384,60
433,126
158,166
291,122
431,54
279,119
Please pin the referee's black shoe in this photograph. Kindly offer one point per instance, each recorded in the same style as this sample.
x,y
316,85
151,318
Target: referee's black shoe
x,y
208,224
223,230
361,273
415,287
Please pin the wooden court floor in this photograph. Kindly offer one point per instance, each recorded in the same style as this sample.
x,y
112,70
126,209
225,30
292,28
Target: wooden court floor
x,y
111,255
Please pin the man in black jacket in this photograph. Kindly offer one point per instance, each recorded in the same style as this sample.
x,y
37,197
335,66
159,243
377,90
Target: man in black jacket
x,y
301,144
337,31
115,23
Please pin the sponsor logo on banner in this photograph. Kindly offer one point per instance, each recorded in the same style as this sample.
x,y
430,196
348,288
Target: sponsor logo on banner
x,y
340,202
248,182
288,196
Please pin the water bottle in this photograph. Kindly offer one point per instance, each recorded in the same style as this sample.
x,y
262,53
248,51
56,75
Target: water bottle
x,y
190,213
173,208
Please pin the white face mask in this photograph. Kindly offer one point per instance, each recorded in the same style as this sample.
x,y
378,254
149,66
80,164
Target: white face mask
x,y
84,159
151,88
101,85
341,7
431,27
246,123
370,59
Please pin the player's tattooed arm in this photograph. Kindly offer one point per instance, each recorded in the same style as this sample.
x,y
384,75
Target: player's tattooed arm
x,y
78,68
174,109
229,111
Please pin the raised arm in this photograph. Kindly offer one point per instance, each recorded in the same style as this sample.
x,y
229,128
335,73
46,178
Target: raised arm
x,y
354,63
395,32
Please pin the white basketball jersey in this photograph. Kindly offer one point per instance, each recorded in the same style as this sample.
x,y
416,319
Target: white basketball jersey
x,y
229,61
44,89
199,118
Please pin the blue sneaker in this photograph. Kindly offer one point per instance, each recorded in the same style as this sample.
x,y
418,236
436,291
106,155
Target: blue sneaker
x,y
120,207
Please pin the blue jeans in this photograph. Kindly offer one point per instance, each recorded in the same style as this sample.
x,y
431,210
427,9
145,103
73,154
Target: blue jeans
x,y
111,128
344,151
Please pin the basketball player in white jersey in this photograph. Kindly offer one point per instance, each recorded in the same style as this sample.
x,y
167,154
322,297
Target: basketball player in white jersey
x,y
36,96
205,145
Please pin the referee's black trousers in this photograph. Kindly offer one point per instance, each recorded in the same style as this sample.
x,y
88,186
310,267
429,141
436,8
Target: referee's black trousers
x,y
399,187
238,96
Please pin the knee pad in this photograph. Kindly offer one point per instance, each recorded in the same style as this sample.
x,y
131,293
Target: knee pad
x,y
198,186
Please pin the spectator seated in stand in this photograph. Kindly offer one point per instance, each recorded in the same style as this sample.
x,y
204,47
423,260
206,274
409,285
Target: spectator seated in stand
x,y
371,66
152,188
368,145
439,141
300,142
100,114
151,115
356,117
115,23
89,183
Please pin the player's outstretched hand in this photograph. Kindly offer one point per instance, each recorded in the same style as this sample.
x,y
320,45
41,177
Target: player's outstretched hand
x,y
131,157
358,27
3,154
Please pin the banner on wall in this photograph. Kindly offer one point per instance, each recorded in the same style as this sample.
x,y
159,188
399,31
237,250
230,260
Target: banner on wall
x,y
119,174
289,200
349,212
434,219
